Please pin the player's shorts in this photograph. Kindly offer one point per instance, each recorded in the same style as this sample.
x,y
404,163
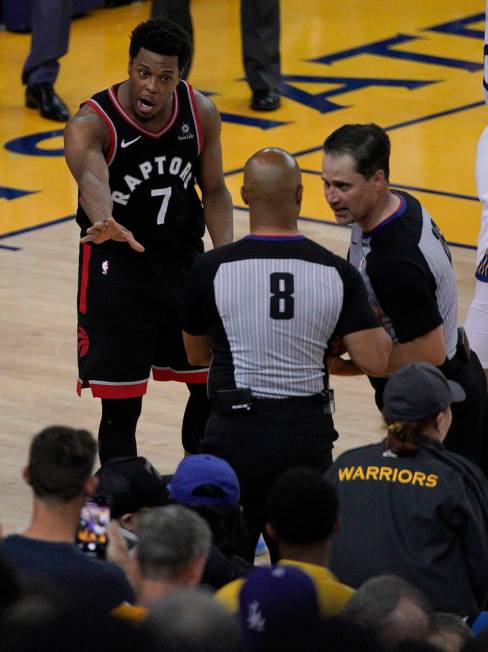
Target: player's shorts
x,y
129,320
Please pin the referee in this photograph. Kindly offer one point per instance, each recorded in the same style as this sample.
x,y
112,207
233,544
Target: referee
x,y
406,266
263,310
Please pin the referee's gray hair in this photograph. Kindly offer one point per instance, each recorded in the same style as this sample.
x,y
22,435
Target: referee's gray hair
x,y
170,538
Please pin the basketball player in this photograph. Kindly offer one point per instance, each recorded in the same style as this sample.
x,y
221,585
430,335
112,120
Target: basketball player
x,y
136,150
477,319
406,265
266,307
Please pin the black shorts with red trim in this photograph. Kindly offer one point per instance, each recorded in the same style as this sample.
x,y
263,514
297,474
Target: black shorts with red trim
x,y
129,320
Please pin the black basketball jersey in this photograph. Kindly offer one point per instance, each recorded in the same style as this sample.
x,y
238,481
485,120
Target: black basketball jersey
x,y
152,175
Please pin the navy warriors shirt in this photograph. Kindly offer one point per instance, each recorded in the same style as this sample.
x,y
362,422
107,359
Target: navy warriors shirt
x,y
406,266
270,305
423,517
152,174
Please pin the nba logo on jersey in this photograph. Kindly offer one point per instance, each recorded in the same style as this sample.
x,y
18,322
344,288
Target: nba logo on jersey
x,y
185,133
105,266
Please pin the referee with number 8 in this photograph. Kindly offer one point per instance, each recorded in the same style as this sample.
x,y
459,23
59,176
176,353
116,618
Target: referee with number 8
x,y
262,311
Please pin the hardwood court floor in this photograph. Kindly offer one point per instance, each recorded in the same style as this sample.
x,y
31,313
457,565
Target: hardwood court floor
x,y
341,63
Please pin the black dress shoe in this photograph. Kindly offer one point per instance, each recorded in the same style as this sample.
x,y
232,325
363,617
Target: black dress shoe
x,y
44,98
265,100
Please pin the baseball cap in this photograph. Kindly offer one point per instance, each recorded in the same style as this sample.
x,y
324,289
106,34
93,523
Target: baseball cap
x,y
133,483
418,391
196,472
276,604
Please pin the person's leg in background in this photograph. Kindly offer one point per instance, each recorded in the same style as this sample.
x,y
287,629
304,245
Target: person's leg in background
x,y
179,12
51,21
195,418
260,27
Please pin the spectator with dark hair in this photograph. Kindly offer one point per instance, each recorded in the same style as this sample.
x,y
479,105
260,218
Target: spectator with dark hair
x,y
448,632
173,546
392,608
410,507
209,486
190,620
302,517
59,472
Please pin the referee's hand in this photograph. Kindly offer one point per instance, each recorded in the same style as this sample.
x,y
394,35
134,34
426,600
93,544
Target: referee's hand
x,y
339,367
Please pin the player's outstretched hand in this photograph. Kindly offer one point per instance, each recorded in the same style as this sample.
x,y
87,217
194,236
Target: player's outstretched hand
x,y
109,229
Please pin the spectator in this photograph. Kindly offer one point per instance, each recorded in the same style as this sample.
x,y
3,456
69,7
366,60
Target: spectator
x,y
411,508
59,472
190,620
173,545
209,486
392,608
302,511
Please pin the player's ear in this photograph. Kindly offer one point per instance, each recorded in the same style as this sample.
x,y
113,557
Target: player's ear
x,y
244,195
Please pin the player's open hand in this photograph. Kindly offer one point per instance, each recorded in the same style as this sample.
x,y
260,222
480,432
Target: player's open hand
x,y
109,229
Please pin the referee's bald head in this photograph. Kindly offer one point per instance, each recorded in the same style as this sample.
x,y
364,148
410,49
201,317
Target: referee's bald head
x,y
272,177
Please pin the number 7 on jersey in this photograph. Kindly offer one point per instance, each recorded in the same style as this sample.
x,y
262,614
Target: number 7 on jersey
x,y
165,193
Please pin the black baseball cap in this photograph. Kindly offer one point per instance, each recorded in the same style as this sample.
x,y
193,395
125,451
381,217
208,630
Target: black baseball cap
x,y
132,483
419,391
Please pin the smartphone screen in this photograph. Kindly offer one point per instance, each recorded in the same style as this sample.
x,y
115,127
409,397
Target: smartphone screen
x,y
92,531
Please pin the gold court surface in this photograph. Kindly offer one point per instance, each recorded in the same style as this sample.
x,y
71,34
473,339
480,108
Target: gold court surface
x,y
415,68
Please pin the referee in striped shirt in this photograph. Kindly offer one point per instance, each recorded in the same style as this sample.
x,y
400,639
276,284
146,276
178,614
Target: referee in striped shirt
x,y
262,311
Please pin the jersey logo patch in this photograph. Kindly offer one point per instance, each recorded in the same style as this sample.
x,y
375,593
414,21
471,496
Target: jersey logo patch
x,y
185,132
126,143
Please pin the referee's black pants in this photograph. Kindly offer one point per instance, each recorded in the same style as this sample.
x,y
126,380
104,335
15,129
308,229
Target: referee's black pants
x,y
278,434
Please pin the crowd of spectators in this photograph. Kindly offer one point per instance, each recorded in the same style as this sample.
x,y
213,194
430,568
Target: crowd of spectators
x,y
172,580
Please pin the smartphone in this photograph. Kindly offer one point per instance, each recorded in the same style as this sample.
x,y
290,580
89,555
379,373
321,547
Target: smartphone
x,y
92,537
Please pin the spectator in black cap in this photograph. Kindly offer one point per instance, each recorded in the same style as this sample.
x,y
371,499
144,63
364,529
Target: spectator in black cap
x,y
408,506
133,484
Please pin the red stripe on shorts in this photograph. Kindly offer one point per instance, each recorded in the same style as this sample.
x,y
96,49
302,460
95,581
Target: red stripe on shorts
x,y
197,377
85,266
133,390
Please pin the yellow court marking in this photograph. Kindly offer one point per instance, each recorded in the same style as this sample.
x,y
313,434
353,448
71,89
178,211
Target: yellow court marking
x,y
415,69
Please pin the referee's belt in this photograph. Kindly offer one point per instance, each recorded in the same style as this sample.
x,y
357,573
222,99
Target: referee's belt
x,y
241,401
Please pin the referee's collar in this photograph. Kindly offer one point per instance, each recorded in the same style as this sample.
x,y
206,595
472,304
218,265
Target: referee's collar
x,y
274,238
399,211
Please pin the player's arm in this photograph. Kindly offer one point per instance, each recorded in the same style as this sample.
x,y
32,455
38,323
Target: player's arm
x,y
216,199
85,140
198,348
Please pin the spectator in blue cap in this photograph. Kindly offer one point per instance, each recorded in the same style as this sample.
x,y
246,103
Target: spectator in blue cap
x,y
209,486
279,611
